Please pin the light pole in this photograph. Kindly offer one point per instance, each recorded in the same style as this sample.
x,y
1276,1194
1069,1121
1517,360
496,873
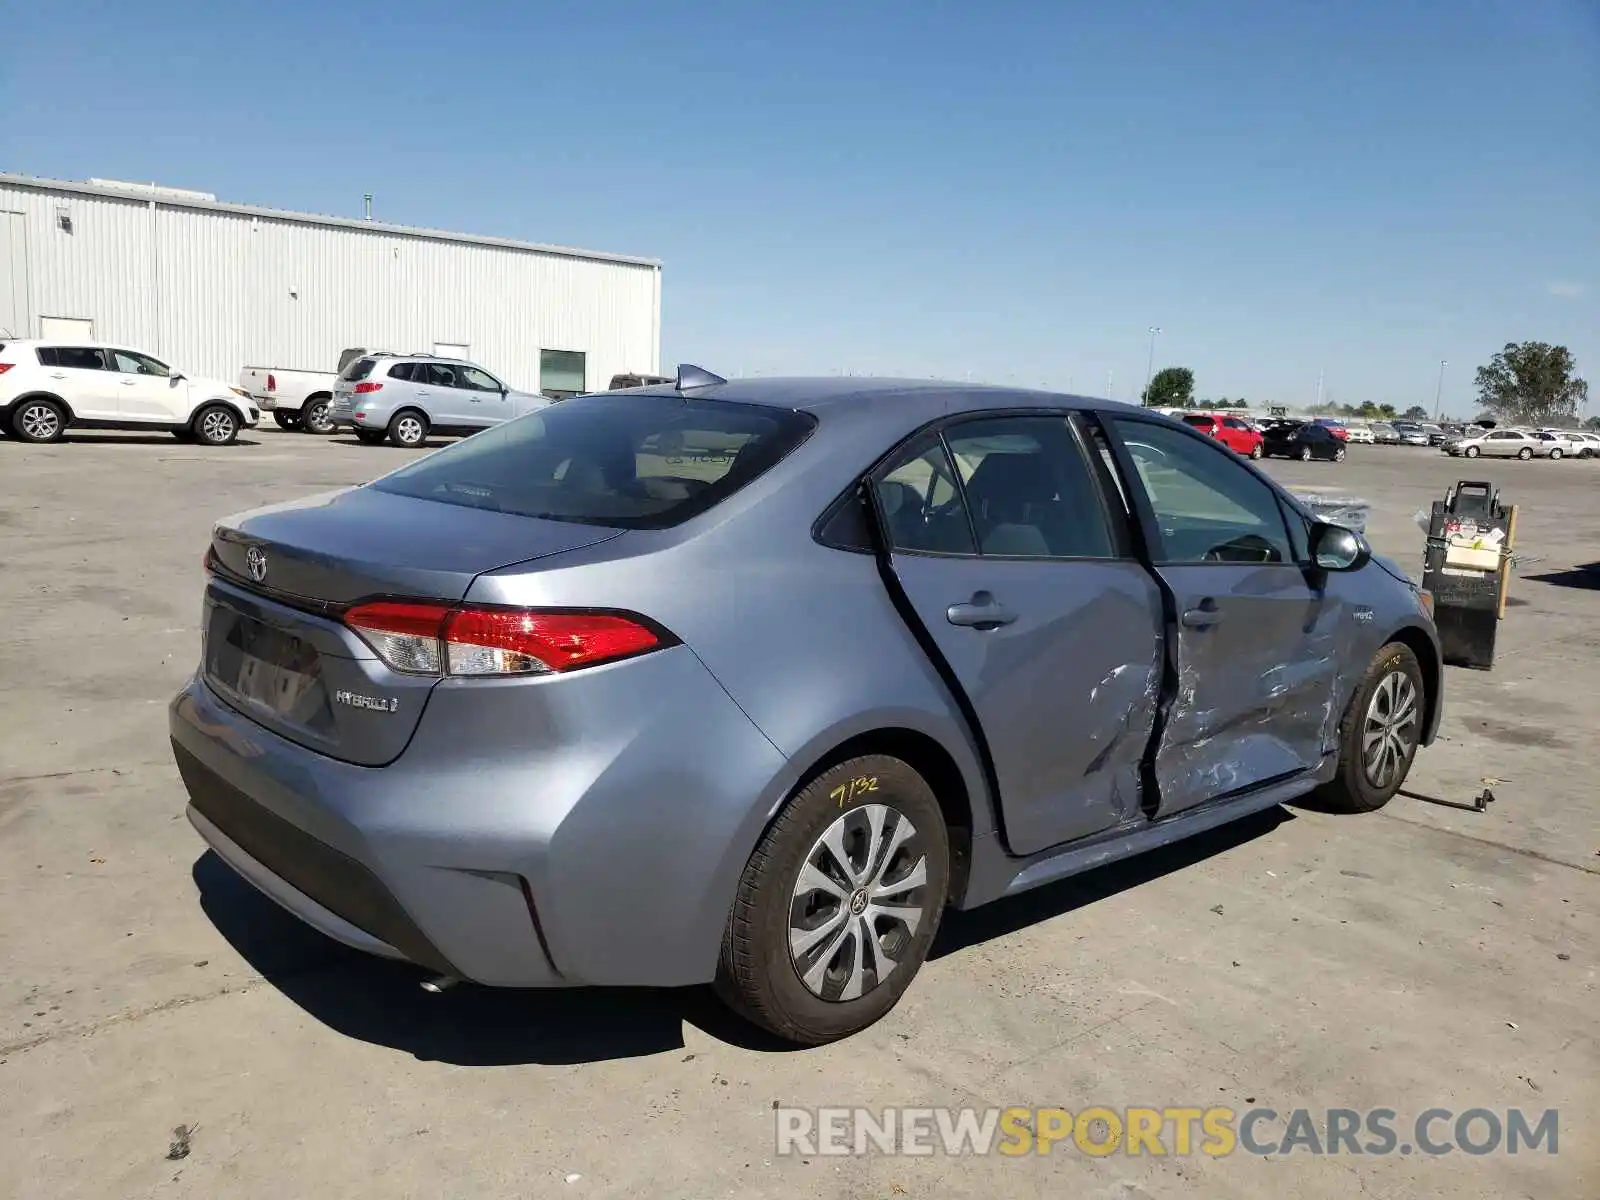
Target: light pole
x,y
1150,365
1109,374
1438,392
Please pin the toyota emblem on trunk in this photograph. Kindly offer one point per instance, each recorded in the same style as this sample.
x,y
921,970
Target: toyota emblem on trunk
x,y
255,564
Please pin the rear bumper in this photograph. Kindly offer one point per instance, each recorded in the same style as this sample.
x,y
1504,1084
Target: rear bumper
x,y
480,852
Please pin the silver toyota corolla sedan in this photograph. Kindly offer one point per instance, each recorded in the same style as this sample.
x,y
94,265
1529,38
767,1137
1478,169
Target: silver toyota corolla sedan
x,y
747,682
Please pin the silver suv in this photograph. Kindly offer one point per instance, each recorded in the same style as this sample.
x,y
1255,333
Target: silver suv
x,y
406,397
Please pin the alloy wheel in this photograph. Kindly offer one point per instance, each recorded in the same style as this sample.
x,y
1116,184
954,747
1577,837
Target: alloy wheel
x,y
39,422
858,902
217,426
1338,455
1389,732
316,419
409,430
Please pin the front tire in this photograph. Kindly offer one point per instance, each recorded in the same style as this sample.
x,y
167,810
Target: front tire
x,y
408,429
1338,455
315,417
38,421
1555,455
1471,452
839,904
1525,453
216,425
1305,454
1380,733
1255,451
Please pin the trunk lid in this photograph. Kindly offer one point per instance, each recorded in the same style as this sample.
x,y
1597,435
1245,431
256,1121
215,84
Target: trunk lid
x,y
273,644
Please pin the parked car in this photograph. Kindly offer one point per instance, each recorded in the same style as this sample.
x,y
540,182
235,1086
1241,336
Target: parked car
x,y
1305,442
47,387
1233,432
1360,434
504,712
1560,443
1591,445
1385,434
1411,434
1498,443
407,397
297,399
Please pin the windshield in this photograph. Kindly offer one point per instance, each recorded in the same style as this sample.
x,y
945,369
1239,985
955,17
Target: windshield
x,y
626,461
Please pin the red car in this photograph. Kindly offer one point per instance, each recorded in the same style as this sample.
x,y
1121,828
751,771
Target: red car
x,y
1232,432
1337,428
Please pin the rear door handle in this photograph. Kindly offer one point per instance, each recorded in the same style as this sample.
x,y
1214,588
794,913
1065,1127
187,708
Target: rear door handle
x,y
1206,613
981,612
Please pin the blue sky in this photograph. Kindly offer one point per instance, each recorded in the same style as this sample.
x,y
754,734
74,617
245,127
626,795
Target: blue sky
x,y
1015,191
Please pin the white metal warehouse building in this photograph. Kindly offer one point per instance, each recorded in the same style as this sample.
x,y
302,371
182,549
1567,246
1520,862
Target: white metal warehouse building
x,y
213,287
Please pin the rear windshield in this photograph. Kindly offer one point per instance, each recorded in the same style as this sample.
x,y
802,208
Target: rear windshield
x,y
630,462
360,369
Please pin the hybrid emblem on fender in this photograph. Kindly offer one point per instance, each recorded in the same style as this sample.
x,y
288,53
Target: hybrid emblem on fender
x,y
372,703
255,564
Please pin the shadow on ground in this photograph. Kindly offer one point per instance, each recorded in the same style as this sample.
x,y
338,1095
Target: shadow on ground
x,y
1586,576
382,1002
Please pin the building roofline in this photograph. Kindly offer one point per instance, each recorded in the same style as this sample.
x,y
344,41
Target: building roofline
x,y
166,200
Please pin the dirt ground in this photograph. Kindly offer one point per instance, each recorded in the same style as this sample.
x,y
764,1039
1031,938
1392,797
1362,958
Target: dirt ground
x,y
1426,956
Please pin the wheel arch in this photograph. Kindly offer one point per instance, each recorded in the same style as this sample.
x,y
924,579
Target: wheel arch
x,y
240,410
40,394
1426,649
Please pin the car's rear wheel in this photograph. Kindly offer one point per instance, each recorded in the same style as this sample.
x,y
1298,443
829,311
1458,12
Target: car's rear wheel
x,y
38,421
216,425
315,417
1338,455
1379,735
286,420
408,428
839,904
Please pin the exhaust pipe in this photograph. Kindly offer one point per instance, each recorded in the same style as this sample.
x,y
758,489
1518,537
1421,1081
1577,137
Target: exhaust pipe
x,y
439,984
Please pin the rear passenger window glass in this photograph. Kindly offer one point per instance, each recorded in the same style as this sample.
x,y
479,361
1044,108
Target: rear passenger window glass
x,y
47,356
1028,488
921,504
79,358
1209,507
360,369
400,371
620,460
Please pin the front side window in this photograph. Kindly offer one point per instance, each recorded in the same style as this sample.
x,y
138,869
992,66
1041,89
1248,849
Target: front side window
x,y
476,380
619,460
1209,507
129,362
921,504
562,373
80,358
1029,489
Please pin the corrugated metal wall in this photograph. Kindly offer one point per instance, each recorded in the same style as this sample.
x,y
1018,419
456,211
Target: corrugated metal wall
x,y
214,291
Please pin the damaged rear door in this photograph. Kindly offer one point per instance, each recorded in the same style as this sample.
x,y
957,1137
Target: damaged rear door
x,y
1256,644
1026,598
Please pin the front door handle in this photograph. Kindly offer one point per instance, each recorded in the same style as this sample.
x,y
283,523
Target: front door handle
x,y
1204,614
129,382
981,612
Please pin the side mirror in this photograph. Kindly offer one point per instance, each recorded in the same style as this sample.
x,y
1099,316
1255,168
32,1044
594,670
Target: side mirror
x,y
175,376
1335,548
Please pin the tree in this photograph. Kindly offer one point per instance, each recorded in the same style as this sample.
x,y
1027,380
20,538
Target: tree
x,y
1171,387
1416,413
1532,382
1592,423
1386,411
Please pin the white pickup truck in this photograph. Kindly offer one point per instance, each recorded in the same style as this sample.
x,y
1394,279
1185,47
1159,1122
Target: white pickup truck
x,y
297,399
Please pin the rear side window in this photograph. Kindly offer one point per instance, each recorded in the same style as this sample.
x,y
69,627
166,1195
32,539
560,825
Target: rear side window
x,y
1198,422
400,371
79,358
625,461
360,369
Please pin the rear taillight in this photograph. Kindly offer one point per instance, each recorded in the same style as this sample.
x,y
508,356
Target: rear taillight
x,y
4,367
435,639
363,388
272,383
208,562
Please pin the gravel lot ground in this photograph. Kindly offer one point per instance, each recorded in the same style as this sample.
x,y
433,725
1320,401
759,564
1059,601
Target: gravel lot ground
x,y
1422,957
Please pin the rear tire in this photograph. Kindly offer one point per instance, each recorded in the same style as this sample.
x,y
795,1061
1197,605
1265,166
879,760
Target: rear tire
x,y
315,417
408,429
38,421
817,948
286,420
216,425
1386,711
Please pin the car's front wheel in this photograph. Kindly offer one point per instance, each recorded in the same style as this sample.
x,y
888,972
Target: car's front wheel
x,y
1525,453
1338,455
1555,453
1471,452
216,425
1380,733
315,417
839,904
1255,451
1305,454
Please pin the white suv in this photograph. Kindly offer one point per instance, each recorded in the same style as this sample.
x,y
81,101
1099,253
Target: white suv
x,y
47,386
